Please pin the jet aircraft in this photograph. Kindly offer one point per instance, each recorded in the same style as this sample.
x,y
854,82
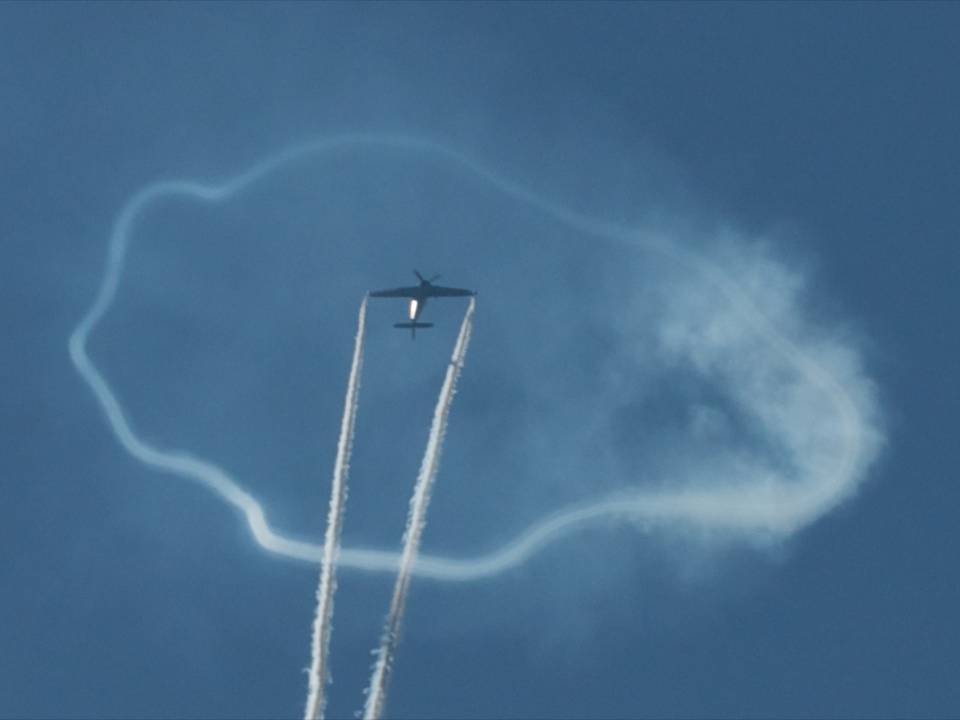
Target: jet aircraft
x,y
418,296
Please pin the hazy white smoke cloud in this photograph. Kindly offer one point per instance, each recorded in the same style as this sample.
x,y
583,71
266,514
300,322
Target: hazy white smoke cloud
x,y
800,392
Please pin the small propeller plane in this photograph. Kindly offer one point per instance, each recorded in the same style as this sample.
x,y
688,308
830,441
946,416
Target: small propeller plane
x,y
418,296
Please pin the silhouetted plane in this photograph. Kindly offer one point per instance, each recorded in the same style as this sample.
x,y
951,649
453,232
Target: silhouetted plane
x,y
418,295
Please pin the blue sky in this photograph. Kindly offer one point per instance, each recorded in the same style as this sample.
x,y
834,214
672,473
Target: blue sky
x,y
807,154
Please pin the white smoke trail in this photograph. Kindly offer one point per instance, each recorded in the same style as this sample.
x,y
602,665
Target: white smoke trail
x,y
416,521
778,508
322,627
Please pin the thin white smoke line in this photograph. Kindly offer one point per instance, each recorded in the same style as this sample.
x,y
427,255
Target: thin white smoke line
x,y
322,624
416,521
796,509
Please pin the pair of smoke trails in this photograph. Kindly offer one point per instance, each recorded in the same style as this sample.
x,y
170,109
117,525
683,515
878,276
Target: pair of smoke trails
x,y
778,510
416,521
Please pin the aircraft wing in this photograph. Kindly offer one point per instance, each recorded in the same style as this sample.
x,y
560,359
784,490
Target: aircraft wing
x,y
440,291
401,292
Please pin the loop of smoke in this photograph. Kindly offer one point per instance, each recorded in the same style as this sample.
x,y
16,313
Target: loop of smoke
x,y
416,521
776,508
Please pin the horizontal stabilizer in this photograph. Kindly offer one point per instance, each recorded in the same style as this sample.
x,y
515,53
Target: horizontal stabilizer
x,y
413,325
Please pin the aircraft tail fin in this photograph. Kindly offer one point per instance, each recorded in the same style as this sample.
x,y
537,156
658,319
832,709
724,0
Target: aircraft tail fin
x,y
413,327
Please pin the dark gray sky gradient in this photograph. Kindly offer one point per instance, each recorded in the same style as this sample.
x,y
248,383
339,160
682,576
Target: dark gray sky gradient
x,y
824,134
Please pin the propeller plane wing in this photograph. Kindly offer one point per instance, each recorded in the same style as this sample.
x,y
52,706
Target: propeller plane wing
x,y
418,296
